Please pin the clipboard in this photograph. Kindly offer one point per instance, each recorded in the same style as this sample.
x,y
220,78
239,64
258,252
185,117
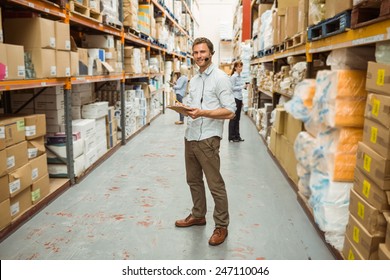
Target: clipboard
x,y
180,109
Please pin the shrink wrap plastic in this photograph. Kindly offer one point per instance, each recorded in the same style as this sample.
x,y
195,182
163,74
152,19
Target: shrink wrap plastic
x,y
302,101
340,98
382,52
351,58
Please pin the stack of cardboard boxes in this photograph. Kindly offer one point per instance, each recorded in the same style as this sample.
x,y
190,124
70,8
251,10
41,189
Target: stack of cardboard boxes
x,y
283,134
24,178
366,236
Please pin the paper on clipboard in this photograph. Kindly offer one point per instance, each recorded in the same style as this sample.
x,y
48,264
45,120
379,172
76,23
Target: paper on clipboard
x,y
180,109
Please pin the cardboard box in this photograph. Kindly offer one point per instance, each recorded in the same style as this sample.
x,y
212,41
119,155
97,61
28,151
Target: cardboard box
x,y
283,4
44,61
377,137
63,63
1,28
12,131
378,78
4,192
387,238
13,157
378,109
86,128
334,7
40,189
83,61
280,117
3,62
49,102
74,64
35,147
62,35
19,179
373,165
263,8
20,203
35,126
15,66
281,30
366,243
291,21
349,250
56,90
292,127
371,218
95,110
303,15
367,189
383,252
30,32
38,167
53,117
5,215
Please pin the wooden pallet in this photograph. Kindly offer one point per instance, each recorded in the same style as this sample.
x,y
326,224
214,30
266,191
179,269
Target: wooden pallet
x,y
85,11
369,12
329,27
279,48
295,41
107,21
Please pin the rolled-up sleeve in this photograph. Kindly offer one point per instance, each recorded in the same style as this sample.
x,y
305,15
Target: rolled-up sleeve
x,y
226,96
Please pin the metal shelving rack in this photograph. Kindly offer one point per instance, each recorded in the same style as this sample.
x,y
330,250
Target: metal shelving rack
x,y
62,12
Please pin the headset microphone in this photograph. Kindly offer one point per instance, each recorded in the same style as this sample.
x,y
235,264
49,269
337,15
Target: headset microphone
x,y
206,59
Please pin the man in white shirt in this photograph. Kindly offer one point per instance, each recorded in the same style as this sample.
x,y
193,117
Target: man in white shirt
x,y
211,101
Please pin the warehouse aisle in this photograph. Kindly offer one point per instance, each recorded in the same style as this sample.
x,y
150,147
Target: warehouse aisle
x,y
126,208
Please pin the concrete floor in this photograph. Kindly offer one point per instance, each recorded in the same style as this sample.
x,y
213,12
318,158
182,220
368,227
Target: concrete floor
x,y
126,208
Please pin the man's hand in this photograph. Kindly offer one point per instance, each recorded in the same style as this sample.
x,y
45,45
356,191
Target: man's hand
x,y
195,113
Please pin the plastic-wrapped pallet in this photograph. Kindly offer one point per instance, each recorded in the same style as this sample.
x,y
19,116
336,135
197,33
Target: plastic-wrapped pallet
x,y
382,52
330,202
110,9
302,101
340,98
350,58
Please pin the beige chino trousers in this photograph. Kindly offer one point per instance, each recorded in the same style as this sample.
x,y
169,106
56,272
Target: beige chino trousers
x,y
203,157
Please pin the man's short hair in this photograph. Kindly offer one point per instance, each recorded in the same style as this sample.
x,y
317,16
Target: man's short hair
x,y
206,41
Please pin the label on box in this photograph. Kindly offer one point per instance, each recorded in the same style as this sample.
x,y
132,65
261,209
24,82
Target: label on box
x,y
1,36
34,173
10,162
67,71
67,44
36,195
21,71
380,80
367,163
374,134
351,255
356,234
2,132
53,70
366,188
376,104
32,152
20,125
15,209
14,186
31,130
360,211
53,42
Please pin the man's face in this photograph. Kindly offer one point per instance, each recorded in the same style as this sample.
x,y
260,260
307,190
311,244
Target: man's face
x,y
202,55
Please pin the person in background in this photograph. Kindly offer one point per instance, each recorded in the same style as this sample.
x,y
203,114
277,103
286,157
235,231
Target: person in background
x,y
180,88
237,85
210,101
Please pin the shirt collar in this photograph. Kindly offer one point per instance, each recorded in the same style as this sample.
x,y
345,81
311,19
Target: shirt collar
x,y
208,69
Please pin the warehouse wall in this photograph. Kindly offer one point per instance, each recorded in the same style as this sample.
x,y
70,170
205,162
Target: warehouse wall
x,y
211,14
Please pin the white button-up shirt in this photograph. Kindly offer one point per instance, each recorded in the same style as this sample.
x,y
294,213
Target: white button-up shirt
x,y
209,90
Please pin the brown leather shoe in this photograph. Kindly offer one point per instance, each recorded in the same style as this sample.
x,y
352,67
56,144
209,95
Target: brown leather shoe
x,y
191,221
219,236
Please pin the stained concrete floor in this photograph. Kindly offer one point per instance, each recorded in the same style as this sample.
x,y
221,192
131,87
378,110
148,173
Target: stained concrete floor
x,y
126,208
